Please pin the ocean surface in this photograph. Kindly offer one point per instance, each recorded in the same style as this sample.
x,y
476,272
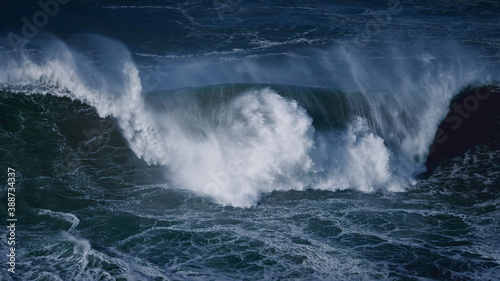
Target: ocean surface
x,y
250,140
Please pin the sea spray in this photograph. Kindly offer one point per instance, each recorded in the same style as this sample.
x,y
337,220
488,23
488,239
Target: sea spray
x,y
265,139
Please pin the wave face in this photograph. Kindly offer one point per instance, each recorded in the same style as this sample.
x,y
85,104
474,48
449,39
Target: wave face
x,y
235,142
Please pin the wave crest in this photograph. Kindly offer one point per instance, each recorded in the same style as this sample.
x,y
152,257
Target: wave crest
x,y
258,139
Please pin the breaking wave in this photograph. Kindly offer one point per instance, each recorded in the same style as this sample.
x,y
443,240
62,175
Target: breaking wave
x,y
234,142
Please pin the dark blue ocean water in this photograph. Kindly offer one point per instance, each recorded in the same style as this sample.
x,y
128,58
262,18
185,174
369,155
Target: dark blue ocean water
x,y
250,140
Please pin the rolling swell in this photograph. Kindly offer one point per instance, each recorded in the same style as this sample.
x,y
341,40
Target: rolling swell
x,y
68,136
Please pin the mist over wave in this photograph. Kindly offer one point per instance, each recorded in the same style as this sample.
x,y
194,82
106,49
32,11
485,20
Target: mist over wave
x,y
265,138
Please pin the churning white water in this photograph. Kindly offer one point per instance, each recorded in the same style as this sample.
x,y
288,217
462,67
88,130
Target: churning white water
x,y
268,141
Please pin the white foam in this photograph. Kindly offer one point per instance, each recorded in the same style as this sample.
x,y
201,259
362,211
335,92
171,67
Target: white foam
x,y
264,147
356,158
266,142
64,216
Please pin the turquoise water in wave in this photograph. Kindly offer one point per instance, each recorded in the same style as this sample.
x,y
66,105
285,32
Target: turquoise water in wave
x,y
249,140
